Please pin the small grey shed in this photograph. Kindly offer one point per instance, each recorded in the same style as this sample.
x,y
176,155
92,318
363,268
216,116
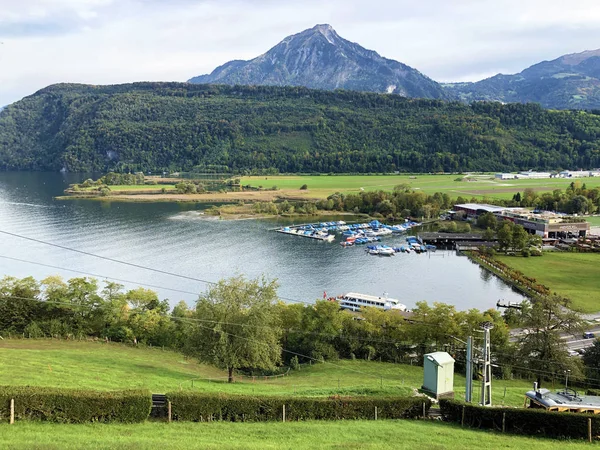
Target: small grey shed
x,y
438,374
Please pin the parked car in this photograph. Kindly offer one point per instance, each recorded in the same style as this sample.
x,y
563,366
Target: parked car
x,y
588,335
573,353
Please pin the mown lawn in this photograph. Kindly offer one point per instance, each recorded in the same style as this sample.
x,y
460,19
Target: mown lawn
x,y
96,365
383,434
480,186
572,275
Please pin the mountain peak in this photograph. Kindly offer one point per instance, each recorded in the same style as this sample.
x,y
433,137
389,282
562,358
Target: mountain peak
x,y
323,28
320,58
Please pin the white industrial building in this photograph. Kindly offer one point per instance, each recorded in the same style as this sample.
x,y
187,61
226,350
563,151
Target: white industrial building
x,y
506,176
530,174
576,173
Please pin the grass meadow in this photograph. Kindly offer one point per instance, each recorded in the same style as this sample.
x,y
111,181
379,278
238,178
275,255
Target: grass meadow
x,y
101,366
572,275
479,186
383,434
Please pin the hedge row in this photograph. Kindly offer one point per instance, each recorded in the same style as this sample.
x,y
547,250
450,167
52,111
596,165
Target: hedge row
x,y
532,422
200,407
74,406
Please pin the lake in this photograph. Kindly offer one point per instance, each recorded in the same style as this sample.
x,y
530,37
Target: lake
x,y
177,238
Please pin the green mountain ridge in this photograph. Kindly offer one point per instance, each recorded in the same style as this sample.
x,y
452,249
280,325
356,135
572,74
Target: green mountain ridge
x,y
179,126
568,82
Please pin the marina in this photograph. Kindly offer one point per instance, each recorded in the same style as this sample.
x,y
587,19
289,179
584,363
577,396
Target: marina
x,y
351,233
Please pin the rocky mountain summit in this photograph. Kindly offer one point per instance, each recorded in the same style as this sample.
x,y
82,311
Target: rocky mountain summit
x,y
319,58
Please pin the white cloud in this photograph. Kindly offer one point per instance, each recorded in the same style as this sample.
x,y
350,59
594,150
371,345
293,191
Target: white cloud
x,y
110,41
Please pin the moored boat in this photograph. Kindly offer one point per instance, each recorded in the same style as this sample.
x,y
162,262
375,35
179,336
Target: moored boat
x,y
355,301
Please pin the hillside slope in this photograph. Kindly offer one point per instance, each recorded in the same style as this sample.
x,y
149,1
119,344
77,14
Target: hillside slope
x,y
178,126
319,58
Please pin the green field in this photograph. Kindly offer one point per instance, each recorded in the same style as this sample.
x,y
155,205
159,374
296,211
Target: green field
x,y
392,434
594,221
96,365
481,186
572,275
136,187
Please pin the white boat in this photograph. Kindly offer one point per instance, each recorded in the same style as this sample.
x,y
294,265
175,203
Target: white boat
x,y
354,302
386,251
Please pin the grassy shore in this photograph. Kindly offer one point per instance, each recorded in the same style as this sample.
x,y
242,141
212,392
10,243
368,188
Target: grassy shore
x,y
572,275
384,434
96,365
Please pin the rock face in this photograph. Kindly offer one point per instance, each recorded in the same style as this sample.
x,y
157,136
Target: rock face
x,y
571,81
319,58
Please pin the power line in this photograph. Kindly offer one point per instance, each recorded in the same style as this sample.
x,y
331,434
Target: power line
x,y
138,266
97,275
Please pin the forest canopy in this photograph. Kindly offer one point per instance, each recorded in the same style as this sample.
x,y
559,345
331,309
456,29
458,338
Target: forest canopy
x,y
180,127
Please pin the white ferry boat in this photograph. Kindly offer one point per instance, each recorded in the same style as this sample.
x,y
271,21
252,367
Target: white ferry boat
x,y
354,302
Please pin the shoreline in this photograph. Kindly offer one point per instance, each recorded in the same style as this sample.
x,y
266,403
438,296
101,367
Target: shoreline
x,y
226,197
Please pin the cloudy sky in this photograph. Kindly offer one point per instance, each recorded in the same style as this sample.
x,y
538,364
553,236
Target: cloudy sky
x,y
115,41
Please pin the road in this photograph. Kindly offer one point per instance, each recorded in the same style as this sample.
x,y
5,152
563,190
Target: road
x,y
573,342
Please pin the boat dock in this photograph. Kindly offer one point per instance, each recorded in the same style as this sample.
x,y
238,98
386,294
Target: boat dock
x,y
460,241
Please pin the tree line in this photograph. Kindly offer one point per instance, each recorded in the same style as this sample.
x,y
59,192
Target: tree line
x,y
267,129
240,325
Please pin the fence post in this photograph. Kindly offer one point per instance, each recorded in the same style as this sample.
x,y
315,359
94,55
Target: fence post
x,y
192,383
423,410
169,408
376,413
503,422
462,420
283,413
590,429
12,411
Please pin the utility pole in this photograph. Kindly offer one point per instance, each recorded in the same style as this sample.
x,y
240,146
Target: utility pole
x,y
469,386
486,382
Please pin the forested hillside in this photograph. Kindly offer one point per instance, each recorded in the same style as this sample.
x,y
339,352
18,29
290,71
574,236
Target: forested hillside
x,y
177,126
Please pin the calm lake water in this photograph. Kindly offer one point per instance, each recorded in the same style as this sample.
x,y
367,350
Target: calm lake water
x,y
177,238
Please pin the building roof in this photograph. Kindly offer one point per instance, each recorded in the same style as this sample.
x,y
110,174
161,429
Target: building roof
x,y
439,358
569,399
481,206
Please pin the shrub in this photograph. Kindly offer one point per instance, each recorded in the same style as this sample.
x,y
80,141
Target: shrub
x,y
304,187
199,407
294,364
74,406
532,422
